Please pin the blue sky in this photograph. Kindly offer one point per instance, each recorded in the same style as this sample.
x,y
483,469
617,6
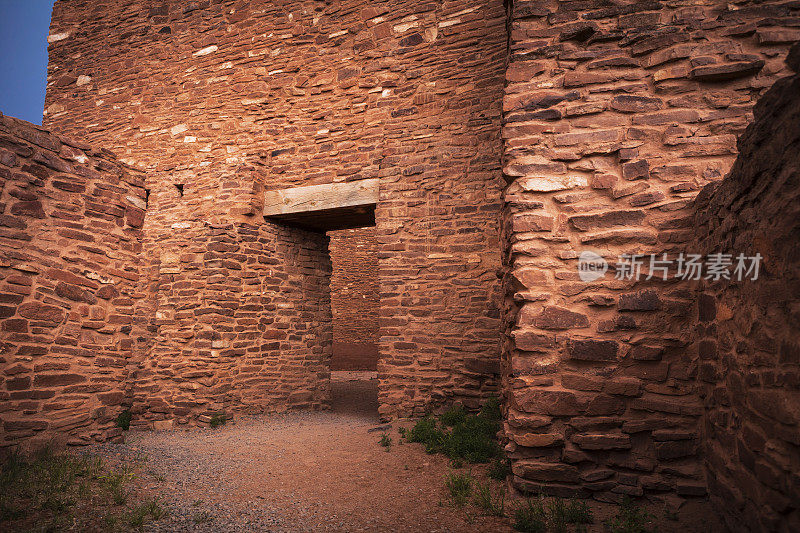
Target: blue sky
x,y
24,26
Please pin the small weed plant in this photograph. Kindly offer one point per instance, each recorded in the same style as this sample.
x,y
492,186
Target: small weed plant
x,y
630,519
217,420
553,516
561,513
460,435
459,487
149,510
115,480
500,468
59,492
491,504
124,420
530,517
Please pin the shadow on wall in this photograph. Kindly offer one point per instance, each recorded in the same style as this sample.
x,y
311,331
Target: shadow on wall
x,y
612,125
746,340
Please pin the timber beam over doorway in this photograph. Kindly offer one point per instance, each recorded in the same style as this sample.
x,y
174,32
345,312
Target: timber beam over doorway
x,y
326,207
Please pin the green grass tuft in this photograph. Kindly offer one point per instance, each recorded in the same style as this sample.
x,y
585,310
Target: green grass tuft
x,y
530,517
491,410
459,486
124,420
553,515
453,416
460,435
426,432
491,504
578,512
500,468
560,513
150,510
630,519
218,419
60,492
114,481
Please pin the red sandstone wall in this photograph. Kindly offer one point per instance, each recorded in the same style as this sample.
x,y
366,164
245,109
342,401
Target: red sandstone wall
x,y
747,333
354,299
615,115
228,98
239,321
437,220
69,256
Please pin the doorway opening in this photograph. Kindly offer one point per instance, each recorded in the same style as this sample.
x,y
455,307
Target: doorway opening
x,y
345,212
355,300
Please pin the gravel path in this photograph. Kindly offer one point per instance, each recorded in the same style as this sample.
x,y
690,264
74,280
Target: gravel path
x,y
300,471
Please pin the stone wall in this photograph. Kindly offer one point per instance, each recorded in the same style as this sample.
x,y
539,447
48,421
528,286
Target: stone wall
x,y
354,299
239,321
746,340
220,100
70,242
615,115
438,214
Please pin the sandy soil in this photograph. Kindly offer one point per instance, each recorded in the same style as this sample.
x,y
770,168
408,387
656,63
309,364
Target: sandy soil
x,y
300,471
306,471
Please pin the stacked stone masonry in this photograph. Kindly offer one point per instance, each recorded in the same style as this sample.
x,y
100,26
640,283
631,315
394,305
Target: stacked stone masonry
x,y
70,243
745,335
508,138
354,299
615,115
221,100
239,320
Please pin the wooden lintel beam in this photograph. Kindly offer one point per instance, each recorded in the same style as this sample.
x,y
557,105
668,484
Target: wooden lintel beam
x,y
314,198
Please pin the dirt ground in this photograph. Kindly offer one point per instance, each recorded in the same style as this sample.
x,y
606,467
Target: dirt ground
x,y
313,471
